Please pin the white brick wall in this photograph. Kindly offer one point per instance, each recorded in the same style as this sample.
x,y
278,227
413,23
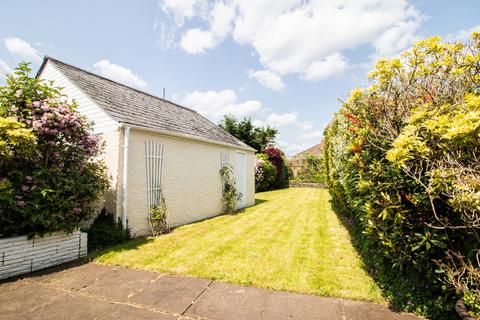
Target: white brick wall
x,y
20,255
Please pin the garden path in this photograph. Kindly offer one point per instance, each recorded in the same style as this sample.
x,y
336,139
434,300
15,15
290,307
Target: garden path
x,y
94,291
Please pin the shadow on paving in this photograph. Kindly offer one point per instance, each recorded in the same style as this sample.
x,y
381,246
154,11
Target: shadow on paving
x,y
94,291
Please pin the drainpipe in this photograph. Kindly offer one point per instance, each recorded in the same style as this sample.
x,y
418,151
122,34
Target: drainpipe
x,y
126,138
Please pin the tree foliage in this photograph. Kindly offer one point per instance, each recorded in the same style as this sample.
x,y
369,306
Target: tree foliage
x,y
50,174
256,137
402,158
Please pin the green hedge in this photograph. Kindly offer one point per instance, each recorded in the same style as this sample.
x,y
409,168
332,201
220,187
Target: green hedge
x,y
402,161
105,232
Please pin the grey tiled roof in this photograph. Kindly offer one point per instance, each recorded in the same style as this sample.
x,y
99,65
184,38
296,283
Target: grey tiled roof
x,y
132,106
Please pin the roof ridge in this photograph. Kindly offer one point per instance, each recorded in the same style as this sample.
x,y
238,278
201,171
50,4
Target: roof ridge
x,y
116,82
139,102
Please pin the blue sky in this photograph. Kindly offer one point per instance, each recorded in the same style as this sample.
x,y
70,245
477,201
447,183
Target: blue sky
x,y
280,62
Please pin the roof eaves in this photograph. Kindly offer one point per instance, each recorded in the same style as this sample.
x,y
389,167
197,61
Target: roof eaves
x,y
187,136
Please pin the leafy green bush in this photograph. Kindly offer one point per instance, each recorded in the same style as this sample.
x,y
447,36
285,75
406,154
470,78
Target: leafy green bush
x,y
50,175
311,169
158,217
265,173
277,158
402,161
105,232
231,195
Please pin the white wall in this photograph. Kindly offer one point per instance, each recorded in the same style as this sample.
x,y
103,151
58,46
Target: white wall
x,y
192,183
102,122
19,255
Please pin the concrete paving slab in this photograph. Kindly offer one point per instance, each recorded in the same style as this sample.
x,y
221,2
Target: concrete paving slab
x,y
291,306
79,307
72,307
123,312
21,298
54,304
227,301
77,277
120,283
171,293
356,310
104,292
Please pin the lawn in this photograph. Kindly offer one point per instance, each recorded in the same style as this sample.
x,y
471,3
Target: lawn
x,y
291,240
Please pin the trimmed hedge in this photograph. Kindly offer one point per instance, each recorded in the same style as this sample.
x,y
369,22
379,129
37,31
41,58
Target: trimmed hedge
x,y
402,162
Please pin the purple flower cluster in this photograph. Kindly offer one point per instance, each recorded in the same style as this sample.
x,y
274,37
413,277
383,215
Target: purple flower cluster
x,y
59,127
259,169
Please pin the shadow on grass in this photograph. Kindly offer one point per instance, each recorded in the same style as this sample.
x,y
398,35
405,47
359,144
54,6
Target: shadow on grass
x,y
405,291
259,201
125,246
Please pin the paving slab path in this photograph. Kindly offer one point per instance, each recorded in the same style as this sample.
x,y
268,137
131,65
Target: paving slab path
x,y
94,291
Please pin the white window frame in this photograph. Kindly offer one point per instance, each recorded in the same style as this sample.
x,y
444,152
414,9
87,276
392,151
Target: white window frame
x,y
224,159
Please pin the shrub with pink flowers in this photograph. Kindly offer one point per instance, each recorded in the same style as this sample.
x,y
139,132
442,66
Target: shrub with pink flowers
x,y
54,187
277,158
265,173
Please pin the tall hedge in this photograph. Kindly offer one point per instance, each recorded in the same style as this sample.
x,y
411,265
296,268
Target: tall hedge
x,y
50,172
402,161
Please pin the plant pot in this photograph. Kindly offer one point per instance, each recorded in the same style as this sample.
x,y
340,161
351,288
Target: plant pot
x,y
462,311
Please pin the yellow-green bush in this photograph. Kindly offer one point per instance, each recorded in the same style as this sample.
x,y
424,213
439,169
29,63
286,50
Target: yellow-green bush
x,y
50,170
402,158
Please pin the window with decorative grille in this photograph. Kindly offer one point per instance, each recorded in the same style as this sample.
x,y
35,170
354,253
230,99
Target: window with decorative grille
x,y
154,160
224,159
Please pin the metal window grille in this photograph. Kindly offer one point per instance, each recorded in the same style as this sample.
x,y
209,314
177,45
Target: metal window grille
x,y
154,160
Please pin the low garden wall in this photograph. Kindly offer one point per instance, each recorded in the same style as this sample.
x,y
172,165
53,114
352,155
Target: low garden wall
x,y
298,184
20,255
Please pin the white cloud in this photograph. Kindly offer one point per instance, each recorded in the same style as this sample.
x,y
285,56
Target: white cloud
x,y
258,123
462,35
120,74
307,37
196,41
291,149
182,9
167,33
313,135
267,79
332,65
215,104
306,125
221,18
399,37
282,119
4,70
22,49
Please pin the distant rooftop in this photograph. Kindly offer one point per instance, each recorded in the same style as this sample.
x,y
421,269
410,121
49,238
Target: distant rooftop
x,y
316,150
